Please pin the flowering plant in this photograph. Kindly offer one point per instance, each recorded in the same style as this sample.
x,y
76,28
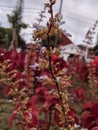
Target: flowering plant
x,y
50,93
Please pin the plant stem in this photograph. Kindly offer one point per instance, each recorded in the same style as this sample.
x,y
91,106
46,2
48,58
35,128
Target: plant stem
x,y
57,86
52,74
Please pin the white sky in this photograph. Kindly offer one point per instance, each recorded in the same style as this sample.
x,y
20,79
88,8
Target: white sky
x,y
79,15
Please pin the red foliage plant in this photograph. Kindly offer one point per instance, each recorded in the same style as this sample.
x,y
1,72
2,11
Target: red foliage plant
x,y
89,115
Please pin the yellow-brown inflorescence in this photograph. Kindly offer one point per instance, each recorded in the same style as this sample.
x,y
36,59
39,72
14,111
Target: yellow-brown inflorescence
x,y
60,80
92,80
56,79
53,22
17,92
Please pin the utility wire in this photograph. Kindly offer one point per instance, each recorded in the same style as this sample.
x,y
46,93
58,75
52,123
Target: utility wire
x,y
12,7
68,15
78,19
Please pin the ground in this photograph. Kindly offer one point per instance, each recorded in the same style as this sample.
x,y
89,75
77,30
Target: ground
x,y
6,108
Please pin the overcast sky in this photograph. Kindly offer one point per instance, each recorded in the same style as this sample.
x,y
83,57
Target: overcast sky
x,y
79,15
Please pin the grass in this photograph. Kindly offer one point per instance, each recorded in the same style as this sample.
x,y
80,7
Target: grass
x,y
6,108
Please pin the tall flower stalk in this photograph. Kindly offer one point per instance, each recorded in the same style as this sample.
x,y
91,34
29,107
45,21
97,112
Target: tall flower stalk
x,y
51,26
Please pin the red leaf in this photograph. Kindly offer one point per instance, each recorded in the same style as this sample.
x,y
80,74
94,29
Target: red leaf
x,y
57,118
87,120
95,128
96,60
6,90
79,93
72,113
87,106
54,57
12,116
13,53
35,116
96,120
94,109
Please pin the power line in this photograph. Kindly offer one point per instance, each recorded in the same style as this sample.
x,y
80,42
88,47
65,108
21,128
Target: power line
x,y
69,15
24,11
12,7
73,17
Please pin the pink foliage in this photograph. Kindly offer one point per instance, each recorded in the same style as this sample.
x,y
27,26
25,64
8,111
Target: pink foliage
x,y
89,116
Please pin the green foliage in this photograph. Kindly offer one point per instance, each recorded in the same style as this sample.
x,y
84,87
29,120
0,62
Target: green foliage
x,y
5,37
16,18
16,24
21,42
